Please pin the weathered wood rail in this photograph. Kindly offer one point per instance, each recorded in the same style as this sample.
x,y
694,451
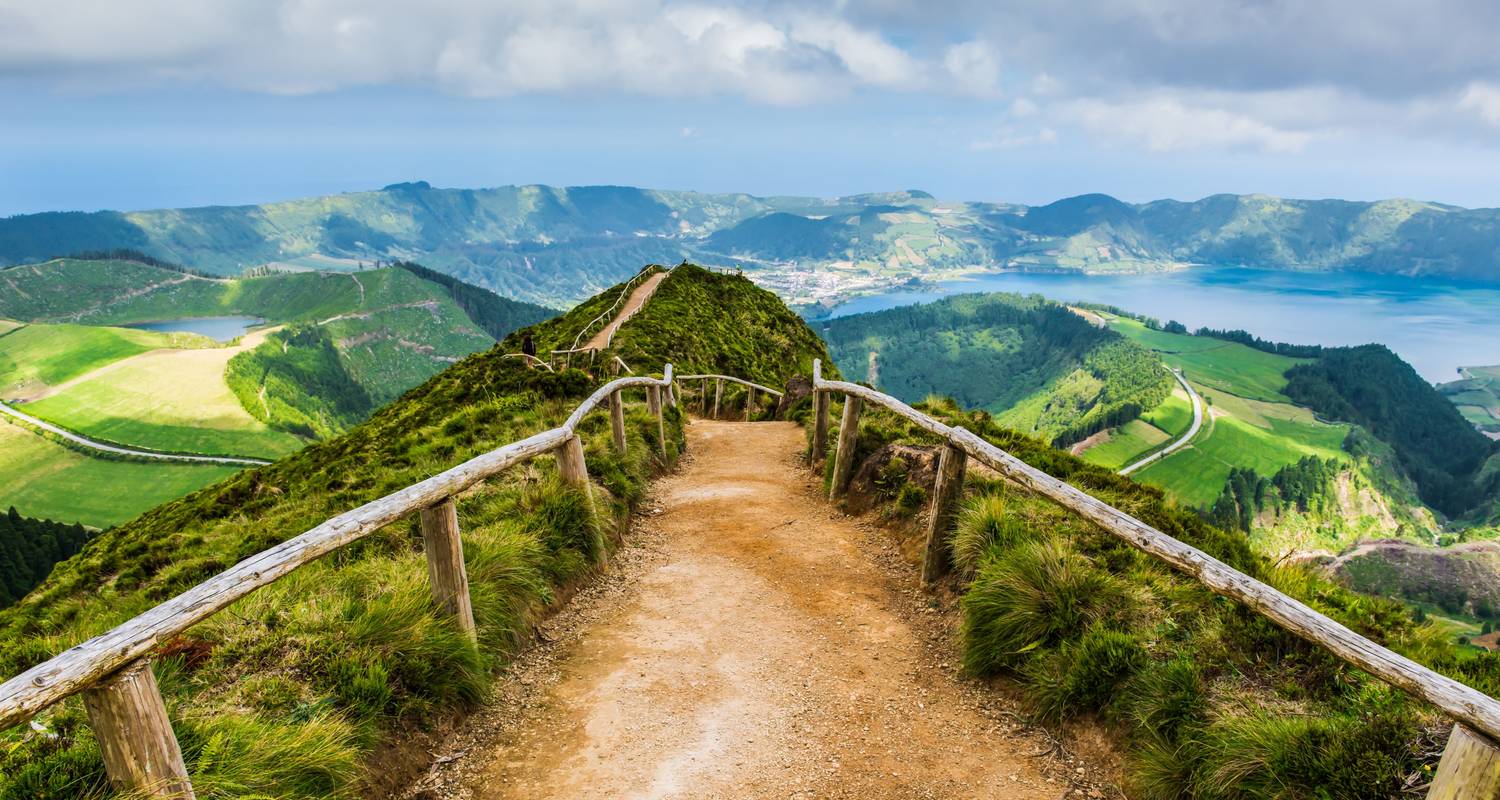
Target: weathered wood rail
x,y
1470,767
719,380
113,672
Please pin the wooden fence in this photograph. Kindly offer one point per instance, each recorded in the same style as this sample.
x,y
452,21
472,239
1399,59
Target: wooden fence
x,y
113,673
719,381
1470,767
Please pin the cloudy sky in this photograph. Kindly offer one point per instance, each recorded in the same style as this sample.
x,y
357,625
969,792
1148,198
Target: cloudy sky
x,y
151,103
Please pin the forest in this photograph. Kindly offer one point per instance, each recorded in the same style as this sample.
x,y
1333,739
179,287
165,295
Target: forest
x,y
295,382
28,549
1301,486
1371,386
1059,376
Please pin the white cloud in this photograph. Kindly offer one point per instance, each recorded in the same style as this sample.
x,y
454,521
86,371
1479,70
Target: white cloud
x,y
472,47
1483,99
974,68
1165,124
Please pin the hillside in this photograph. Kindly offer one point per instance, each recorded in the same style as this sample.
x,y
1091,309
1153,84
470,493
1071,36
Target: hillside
x,y
1477,396
557,245
1039,367
321,353
287,693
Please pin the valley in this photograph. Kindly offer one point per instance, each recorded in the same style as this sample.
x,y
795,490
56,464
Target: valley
x,y
107,350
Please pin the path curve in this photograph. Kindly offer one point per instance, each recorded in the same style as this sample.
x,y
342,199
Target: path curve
x,y
749,642
125,451
1186,437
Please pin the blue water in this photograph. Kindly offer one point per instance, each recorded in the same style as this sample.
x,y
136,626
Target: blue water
x,y
1436,325
220,329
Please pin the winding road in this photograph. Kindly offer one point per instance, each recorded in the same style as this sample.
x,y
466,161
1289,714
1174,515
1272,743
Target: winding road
x,y
1186,437
124,451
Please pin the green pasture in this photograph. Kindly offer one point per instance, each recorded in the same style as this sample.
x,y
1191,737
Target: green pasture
x,y
1229,366
35,357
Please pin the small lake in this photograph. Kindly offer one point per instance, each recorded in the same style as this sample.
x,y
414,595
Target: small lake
x,y
220,329
1436,325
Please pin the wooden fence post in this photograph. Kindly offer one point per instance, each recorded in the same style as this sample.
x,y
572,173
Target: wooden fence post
x,y
445,565
749,402
570,464
653,401
718,395
617,419
140,750
843,459
671,396
821,401
1469,769
945,494
704,397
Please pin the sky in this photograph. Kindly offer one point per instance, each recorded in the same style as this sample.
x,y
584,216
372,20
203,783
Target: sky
x,y
130,104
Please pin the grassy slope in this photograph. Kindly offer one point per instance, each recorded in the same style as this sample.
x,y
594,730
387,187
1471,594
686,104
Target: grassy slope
x,y
1229,366
1477,397
286,692
46,480
1251,423
1208,701
1125,444
36,356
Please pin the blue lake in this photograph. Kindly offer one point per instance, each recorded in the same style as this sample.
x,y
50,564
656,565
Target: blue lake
x,y
1436,325
220,329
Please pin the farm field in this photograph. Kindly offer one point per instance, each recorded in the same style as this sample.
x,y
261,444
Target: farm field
x,y
44,479
1242,433
1477,396
1125,443
34,359
170,400
1229,366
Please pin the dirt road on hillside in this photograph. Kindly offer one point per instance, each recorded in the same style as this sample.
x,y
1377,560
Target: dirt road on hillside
x,y
638,297
750,642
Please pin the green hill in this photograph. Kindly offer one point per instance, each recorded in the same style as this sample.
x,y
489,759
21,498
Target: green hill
x,y
338,346
286,692
1477,396
1039,367
560,244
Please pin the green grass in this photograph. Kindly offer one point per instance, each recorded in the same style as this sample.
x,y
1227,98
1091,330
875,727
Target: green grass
x,y
35,357
1245,433
1125,444
171,400
1229,366
44,479
1174,416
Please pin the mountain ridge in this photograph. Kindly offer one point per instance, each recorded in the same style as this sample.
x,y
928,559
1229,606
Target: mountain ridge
x,y
556,245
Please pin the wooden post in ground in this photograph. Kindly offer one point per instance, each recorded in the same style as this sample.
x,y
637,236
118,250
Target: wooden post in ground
x,y
617,419
570,464
821,401
749,402
135,737
945,494
445,565
718,395
653,402
843,459
704,396
1469,769
671,396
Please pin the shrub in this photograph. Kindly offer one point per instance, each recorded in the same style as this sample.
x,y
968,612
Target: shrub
x,y
1083,675
1035,594
984,521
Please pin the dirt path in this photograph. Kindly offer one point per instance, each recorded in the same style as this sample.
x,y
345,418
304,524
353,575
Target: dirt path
x,y
750,642
638,297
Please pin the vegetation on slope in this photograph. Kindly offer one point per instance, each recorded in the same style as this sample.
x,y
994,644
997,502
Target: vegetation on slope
x,y
285,692
1042,367
494,314
29,548
1477,396
35,357
296,382
1210,700
1372,387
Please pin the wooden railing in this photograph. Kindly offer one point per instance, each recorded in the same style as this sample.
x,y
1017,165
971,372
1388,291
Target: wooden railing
x,y
1470,767
112,670
750,390
604,317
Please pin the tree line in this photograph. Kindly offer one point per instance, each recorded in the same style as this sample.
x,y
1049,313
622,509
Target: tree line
x,y
28,549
